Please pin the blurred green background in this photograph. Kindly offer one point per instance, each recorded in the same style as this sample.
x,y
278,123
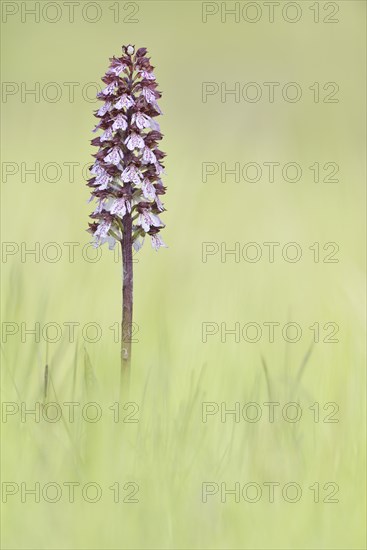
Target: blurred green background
x,y
171,452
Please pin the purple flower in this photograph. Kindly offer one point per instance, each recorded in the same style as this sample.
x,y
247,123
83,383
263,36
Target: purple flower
x,y
116,67
157,242
141,120
131,174
147,75
109,89
102,231
120,207
134,141
120,123
114,157
103,179
103,110
147,219
149,95
148,156
148,189
124,102
107,135
96,168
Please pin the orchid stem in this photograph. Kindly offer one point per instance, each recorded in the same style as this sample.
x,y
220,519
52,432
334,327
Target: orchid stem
x,y
127,304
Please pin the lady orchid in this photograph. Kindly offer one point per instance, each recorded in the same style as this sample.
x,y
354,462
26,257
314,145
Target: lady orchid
x,y
126,182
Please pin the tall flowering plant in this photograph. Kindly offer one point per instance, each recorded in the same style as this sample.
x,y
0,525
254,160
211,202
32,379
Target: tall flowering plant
x,y
126,182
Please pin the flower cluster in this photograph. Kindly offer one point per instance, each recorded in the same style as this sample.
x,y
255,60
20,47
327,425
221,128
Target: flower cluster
x,y
127,171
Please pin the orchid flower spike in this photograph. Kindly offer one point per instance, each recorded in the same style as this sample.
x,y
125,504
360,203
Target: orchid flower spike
x,y
126,175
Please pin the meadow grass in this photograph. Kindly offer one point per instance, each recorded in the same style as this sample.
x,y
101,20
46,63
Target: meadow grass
x,y
170,452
